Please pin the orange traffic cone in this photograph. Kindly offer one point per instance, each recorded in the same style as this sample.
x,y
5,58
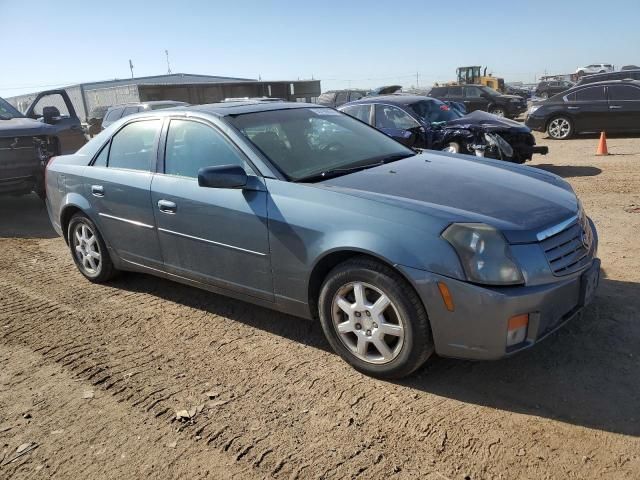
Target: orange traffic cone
x,y
602,146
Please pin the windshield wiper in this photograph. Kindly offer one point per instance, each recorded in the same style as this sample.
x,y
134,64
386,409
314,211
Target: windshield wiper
x,y
335,172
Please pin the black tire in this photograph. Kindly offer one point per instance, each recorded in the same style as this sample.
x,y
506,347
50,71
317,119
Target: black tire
x,y
562,134
104,270
417,341
544,95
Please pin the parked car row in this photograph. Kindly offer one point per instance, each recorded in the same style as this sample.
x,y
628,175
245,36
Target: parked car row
x,y
306,210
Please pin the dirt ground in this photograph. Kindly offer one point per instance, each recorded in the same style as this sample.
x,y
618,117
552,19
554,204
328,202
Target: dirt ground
x,y
91,377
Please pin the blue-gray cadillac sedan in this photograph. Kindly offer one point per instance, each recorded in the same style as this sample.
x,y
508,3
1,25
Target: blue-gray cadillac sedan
x,y
303,209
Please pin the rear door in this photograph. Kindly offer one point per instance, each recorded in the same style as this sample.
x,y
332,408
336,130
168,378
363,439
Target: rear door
x,y
590,109
217,236
624,107
118,184
361,111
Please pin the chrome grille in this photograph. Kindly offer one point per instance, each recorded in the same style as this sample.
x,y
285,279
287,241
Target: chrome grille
x,y
570,249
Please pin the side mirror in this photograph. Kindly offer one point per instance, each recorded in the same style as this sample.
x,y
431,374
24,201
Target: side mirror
x,y
223,176
49,114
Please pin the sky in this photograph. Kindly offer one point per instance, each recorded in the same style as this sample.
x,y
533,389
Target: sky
x,y
344,43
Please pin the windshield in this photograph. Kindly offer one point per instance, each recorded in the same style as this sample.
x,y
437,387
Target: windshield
x,y
433,111
7,111
304,142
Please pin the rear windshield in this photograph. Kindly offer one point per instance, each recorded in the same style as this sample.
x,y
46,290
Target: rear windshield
x,y
433,111
8,111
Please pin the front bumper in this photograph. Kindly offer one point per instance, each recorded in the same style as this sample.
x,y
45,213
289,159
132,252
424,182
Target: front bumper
x,y
535,123
477,328
516,109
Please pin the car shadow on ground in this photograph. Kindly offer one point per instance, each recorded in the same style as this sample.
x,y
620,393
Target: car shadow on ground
x,y
585,374
24,217
569,171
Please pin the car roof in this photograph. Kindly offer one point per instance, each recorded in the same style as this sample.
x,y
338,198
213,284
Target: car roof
x,y
394,99
248,106
151,102
607,82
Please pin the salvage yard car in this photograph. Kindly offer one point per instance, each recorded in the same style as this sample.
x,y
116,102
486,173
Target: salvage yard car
x,y
28,141
480,97
117,112
306,210
612,106
423,122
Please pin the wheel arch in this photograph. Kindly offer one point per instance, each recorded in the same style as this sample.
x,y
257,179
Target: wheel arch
x,y
331,259
73,203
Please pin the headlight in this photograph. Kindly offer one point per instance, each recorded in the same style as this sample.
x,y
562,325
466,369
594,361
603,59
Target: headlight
x,y
484,253
533,108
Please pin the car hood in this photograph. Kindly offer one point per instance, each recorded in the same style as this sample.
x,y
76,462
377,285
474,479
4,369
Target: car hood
x,y
488,121
520,201
20,127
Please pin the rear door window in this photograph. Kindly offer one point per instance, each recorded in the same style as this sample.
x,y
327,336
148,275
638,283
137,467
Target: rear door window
x,y
590,94
472,92
355,96
438,92
361,112
454,92
134,146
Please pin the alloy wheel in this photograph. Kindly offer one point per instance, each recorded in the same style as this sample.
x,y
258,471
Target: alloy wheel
x,y
559,128
87,249
498,112
368,323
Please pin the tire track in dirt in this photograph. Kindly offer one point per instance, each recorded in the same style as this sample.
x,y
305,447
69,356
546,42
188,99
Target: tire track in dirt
x,y
293,409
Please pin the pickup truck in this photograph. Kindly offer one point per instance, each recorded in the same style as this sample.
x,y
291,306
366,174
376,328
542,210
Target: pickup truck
x,y
28,141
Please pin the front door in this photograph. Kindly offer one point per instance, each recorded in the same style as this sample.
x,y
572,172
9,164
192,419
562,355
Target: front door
x,y
67,124
212,235
398,124
474,99
119,185
590,109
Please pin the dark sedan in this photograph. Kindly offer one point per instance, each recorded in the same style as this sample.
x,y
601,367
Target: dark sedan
x,y
612,106
424,122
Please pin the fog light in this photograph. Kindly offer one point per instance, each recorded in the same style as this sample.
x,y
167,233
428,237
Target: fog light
x,y
446,296
517,329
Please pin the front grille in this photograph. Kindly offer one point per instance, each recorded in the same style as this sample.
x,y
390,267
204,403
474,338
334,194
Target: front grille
x,y
569,250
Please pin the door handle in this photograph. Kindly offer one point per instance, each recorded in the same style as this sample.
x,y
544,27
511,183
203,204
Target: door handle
x,y
573,108
165,206
97,190
615,107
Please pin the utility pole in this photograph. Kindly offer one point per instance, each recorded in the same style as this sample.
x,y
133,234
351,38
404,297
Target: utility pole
x,y
131,67
166,52
417,79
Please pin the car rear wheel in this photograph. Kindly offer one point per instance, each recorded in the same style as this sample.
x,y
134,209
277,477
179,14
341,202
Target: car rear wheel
x,y
498,111
560,128
374,319
88,250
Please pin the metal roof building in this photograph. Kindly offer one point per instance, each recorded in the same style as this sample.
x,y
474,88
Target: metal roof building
x,y
185,87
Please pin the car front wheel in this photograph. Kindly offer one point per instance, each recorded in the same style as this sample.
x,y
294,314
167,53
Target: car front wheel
x,y
374,319
88,249
452,147
498,111
560,128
